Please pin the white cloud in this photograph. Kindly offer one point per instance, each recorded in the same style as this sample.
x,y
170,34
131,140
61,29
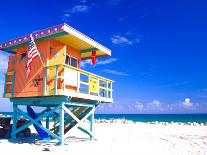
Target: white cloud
x,y
3,62
156,102
115,72
187,103
138,105
107,61
123,40
84,63
80,7
117,39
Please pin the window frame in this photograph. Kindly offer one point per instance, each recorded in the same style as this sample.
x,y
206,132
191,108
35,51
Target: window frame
x,y
69,60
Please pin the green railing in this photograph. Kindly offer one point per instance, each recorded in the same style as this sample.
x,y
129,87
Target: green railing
x,y
63,79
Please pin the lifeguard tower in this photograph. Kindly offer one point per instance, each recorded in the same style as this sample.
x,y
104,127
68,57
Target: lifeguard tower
x,y
68,94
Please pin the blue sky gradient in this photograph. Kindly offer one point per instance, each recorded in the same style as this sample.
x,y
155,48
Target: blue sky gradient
x,y
158,48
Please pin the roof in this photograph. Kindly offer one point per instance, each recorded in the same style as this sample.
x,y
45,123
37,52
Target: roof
x,y
63,33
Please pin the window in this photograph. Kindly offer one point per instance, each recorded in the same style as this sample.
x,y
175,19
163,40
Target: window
x,y
23,56
71,61
67,60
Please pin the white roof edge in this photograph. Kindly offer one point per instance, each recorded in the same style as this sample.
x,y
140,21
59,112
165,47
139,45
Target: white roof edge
x,y
87,39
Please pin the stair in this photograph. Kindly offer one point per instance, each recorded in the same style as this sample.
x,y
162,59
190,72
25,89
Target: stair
x,y
79,112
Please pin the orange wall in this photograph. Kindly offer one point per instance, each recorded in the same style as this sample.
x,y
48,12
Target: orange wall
x,y
25,87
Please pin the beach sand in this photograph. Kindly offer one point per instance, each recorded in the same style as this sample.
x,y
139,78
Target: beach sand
x,y
122,137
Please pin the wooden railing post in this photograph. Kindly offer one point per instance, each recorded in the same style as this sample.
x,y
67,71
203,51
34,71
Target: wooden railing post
x,y
64,80
45,81
98,87
89,78
78,81
55,81
107,91
111,91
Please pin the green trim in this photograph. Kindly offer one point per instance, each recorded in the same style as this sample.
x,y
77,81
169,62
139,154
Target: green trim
x,y
9,73
41,55
88,50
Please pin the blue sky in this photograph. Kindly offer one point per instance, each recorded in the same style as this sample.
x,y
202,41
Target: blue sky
x,y
158,48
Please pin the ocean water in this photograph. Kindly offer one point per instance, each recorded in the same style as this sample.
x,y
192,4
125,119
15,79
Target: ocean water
x,y
149,117
155,117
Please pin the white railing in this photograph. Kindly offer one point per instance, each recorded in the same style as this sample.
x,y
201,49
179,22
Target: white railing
x,y
62,79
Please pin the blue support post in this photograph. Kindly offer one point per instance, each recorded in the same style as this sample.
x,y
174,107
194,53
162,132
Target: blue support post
x,y
48,119
14,121
91,124
61,127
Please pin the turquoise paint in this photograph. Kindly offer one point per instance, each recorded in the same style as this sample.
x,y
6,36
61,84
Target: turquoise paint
x,y
54,104
61,127
48,119
40,117
80,104
41,55
91,124
50,101
13,134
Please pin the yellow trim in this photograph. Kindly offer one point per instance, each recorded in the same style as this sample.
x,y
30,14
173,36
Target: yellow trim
x,y
74,42
9,73
8,95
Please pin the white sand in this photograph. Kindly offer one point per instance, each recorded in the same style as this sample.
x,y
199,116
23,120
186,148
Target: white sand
x,y
123,138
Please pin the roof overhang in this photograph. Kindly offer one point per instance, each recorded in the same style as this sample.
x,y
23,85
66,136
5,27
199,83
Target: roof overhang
x,y
65,34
